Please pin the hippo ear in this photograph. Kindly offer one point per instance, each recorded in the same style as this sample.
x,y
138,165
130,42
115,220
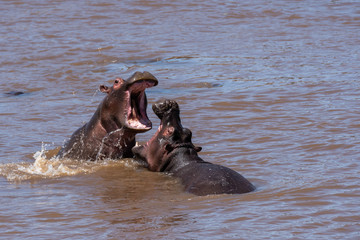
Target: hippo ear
x,y
198,149
104,89
187,134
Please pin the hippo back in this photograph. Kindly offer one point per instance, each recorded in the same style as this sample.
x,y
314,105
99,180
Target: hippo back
x,y
206,178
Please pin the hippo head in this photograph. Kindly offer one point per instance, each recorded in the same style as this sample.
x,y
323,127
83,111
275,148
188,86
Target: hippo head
x,y
125,103
169,137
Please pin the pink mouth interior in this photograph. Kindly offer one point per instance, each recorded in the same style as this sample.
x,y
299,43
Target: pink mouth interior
x,y
136,110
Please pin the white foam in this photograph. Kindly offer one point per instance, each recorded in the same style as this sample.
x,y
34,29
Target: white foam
x,y
54,167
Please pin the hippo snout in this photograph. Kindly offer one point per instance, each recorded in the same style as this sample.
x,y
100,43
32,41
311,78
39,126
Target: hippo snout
x,y
163,106
142,76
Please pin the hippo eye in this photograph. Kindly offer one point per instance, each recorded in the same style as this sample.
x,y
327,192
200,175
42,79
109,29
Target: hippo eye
x,y
118,81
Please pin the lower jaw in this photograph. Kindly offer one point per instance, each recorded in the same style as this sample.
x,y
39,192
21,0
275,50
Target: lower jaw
x,y
138,126
137,129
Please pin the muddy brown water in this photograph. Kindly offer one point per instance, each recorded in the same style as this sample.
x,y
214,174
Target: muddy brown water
x,y
269,89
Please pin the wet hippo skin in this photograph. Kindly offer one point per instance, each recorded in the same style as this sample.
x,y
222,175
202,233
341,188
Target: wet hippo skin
x,y
170,150
111,131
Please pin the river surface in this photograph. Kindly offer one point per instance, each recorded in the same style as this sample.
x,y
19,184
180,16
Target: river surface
x,y
270,89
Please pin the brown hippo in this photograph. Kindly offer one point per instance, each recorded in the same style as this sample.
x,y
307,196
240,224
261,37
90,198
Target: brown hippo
x,y
110,133
170,150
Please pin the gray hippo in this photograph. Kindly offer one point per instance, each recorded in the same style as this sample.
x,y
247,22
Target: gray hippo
x,y
170,150
110,133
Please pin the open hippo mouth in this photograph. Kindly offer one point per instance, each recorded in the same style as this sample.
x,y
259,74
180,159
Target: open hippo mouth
x,y
144,152
136,117
169,137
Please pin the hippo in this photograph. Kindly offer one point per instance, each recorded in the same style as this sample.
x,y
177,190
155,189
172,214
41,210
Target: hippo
x,y
171,151
14,93
111,131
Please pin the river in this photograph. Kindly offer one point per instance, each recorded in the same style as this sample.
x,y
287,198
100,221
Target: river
x,y
269,88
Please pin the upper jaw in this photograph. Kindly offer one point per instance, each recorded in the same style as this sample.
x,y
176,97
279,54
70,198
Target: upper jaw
x,y
165,106
142,76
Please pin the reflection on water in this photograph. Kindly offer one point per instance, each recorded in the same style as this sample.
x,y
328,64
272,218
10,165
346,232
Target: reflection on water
x,y
269,89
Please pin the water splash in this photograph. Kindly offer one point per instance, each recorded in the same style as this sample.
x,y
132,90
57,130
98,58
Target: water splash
x,y
54,167
117,144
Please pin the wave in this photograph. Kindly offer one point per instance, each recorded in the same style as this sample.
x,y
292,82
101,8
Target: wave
x,y
47,166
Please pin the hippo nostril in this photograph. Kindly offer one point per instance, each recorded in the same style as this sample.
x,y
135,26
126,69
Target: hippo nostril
x,y
165,106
